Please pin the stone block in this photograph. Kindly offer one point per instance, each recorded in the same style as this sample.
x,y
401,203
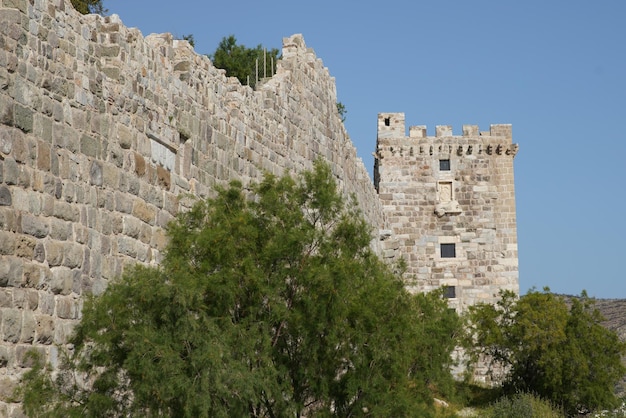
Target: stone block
x,y
66,211
144,211
11,325
163,177
54,253
7,243
73,255
60,230
63,331
26,355
29,325
62,280
5,195
35,226
8,385
25,247
11,171
66,307
6,111
90,146
44,331
95,173
131,226
34,275
6,297
46,303
124,136
43,156
23,118
127,246
5,356
123,203
11,271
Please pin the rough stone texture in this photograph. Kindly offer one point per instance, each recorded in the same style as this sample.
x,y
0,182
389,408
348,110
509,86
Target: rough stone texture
x,y
102,130
469,202
104,133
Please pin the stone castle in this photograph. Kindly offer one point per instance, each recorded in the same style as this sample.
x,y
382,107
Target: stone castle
x,y
105,133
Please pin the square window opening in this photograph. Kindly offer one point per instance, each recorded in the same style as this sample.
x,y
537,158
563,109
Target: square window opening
x,y
449,292
448,250
444,165
387,121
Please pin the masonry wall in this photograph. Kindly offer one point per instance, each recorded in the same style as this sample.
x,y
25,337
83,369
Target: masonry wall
x,y
467,202
103,132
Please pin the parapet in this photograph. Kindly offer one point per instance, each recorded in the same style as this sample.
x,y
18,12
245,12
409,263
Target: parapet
x,y
441,131
392,125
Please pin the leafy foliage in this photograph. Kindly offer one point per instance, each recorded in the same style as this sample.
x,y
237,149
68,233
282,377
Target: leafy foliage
x,y
89,6
341,109
560,352
242,62
264,306
523,405
189,38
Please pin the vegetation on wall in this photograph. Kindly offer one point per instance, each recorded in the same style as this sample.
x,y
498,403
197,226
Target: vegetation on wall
x,y
559,351
265,305
89,6
341,109
249,65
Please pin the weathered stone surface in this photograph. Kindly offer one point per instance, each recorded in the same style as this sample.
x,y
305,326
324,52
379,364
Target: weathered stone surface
x,y
35,226
95,173
62,281
5,196
102,144
11,271
7,243
459,197
11,325
45,329
23,118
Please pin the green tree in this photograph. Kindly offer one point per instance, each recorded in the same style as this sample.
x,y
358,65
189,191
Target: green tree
x,y
89,6
558,350
242,62
267,305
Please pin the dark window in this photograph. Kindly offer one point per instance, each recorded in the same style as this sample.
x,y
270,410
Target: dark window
x,y
448,250
387,121
449,292
444,165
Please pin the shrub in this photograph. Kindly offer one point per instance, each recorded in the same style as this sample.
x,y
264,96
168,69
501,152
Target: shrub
x,y
523,405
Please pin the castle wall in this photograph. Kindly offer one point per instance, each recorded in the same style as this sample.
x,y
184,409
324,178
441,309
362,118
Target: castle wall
x,y
447,193
103,132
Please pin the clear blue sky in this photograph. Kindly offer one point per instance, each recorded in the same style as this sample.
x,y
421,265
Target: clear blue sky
x,y
554,69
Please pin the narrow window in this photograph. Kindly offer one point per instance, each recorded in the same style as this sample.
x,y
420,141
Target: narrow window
x,y
448,250
444,165
387,121
449,292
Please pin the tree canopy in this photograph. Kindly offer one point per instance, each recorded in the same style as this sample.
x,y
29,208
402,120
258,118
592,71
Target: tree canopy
x,y
269,303
547,346
242,62
89,6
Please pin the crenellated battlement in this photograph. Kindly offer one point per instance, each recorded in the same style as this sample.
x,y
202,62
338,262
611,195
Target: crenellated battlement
x,y
392,125
392,140
501,131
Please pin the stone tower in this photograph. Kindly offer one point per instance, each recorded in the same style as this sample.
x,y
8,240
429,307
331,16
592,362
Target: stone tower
x,y
449,202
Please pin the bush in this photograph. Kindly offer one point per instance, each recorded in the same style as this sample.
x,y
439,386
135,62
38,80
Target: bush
x,y
523,405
